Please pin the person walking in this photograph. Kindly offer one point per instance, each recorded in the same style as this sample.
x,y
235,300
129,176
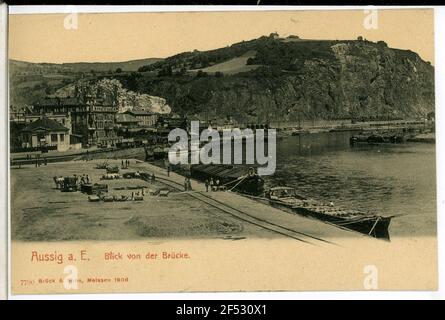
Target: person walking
x,y
186,185
207,185
168,171
211,184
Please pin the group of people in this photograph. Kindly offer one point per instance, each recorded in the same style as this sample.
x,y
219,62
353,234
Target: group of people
x,y
40,161
87,156
187,184
213,185
59,181
125,163
138,193
84,179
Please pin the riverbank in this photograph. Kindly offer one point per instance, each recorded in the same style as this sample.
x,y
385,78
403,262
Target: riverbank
x,y
395,125
48,214
82,154
424,138
42,213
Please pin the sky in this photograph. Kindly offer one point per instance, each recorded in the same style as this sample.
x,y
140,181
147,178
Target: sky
x,y
112,37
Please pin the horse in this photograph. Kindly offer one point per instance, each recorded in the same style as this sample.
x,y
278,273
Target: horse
x,y
58,181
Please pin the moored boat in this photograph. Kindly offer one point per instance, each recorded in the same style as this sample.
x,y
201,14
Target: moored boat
x,y
232,177
160,153
373,225
377,138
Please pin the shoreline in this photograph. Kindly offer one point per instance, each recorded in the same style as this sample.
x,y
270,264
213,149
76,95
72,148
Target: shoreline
x,y
62,216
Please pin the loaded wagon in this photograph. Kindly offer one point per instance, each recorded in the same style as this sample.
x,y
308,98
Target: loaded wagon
x,y
112,169
91,189
69,184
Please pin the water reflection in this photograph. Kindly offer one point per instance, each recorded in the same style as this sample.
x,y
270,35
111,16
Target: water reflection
x,y
383,179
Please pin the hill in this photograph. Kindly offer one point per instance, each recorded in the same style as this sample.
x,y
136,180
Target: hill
x,y
231,66
284,79
132,65
31,81
265,80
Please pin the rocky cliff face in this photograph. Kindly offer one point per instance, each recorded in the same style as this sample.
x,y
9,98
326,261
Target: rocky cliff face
x,y
376,80
352,80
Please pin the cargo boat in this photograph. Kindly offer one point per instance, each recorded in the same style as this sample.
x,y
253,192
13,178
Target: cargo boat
x,y
377,138
237,178
369,224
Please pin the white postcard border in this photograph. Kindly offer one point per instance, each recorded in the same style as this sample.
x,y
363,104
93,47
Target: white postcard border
x,y
440,157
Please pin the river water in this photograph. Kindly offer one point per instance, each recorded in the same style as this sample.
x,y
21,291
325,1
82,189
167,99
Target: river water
x,y
382,179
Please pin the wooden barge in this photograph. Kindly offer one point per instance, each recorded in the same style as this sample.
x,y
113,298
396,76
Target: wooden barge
x,y
369,224
238,178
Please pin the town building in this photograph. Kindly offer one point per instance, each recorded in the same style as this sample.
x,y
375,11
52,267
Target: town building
x,y
17,114
27,118
91,120
45,133
146,118
172,121
126,121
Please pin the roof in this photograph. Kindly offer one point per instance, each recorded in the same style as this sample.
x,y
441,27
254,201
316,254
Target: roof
x,y
44,124
126,118
281,188
140,113
56,101
222,171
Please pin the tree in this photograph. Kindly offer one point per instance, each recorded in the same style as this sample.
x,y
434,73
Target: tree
x,y
201,73
165,71
250,61
118,70
182,71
